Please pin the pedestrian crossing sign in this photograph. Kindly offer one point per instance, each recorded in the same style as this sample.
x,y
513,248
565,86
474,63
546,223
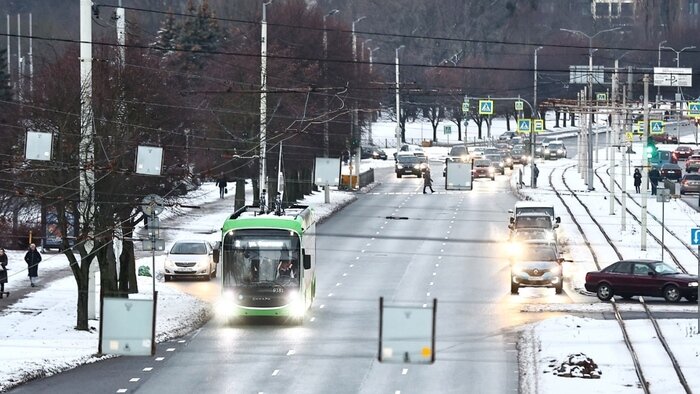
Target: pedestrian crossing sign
x,y
518,105
629,136
656,126
485,107
694,109
465,106
539,125
601,96
524,125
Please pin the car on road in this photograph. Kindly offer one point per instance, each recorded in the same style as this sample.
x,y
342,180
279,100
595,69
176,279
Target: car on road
x,y
412,149
693,159
483,168
690,183
477,152
520,156
671,171
654,278
539,220
499,165
683,152
544,143
539,265
665,138
554,150
507,159
409,164
532,234
458,153
190,258
373,152
534,206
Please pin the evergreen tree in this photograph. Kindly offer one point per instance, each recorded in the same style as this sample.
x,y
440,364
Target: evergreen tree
x,y
167,34
5,88
200,33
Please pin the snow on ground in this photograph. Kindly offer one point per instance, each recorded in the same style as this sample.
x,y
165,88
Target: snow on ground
x,y
37,336
547,344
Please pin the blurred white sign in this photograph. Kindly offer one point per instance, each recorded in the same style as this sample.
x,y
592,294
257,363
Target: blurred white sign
x,y
38,146
327,171
668,76
149,160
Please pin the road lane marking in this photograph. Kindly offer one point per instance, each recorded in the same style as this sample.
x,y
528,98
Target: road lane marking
x,y
404,371
181,341
345,274
427,294
330,294
434,273
147,369
425,305
322,306
291,352
134,380
362,251
437,264
439,257
122,391
160,358
312,319
337,284
431,283
275,372
352,265
170,349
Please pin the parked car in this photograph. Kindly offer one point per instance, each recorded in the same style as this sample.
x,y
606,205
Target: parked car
x,y
652,278
373,152
554,150
483,168
665,138
190,258
539,265
682,152
506,136
498,163
671,171
409,164
690,183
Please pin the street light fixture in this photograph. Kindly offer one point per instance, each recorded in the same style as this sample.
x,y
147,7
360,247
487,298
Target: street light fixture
x,y
678,54
589,174
398,105
263,103
533,138
362,50
658,64
371,52
357,135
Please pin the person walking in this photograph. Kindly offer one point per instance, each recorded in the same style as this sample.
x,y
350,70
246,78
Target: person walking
x,y
221,182
3,273
427,181
637,180
32,258
536,172
654,178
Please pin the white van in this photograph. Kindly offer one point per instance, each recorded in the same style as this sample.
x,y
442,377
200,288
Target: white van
x,y
533,206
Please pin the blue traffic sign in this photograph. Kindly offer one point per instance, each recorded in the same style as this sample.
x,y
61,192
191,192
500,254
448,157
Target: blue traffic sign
x,y
694,108
524,125
695,236
485,107
656,126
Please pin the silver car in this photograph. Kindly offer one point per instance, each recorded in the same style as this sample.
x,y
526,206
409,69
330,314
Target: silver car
x,y
690,183
190,258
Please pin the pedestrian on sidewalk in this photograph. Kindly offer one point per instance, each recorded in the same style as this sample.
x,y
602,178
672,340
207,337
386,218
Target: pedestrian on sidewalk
x,y
654,178
3,273
221,182
32,258
427,180
536,172
637,180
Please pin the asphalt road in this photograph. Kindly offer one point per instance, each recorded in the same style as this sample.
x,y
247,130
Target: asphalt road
x,y
447,249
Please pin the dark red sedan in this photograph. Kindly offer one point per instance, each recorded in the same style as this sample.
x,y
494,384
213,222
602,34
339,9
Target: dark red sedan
x,y
682,152
652,278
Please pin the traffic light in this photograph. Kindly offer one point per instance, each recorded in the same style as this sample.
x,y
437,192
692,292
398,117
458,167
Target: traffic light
x,y
650,148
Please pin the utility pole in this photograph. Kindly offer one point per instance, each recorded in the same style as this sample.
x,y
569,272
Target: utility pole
x,y
31,59
615,133
87,146
658,64
398,105
645,164
263,102
536,114
356,124
19,59
623,214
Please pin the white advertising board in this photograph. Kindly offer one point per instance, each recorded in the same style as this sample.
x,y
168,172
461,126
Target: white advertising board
x,y
327,171
127,327
671,76
579,75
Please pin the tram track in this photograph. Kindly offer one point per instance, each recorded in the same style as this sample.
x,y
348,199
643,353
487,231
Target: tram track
x,y
643,382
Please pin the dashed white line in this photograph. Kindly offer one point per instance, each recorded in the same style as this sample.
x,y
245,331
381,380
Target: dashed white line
x,y
437,264
291,352
357,258
147,369
431,283
181,341
122,391
322,306
275,372
330,294
134,380
170,349
362,251
374,238
434,273
160,358
312,319
397,392
337,284
425,305
439,257
352,265
404,371
427,294
345,274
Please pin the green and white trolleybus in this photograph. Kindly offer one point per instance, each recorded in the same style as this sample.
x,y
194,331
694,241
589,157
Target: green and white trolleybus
x,y
267,263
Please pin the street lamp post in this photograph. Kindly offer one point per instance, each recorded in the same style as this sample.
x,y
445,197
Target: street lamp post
x,y
533,138
589,177
398,105
371,52
355,116
324,69
658,64
678,87
263,101
362,51
371,116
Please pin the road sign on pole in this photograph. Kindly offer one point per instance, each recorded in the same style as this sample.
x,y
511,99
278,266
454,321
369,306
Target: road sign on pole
x,y
447,130
524,126
539,125
694,109
465,106
485,107
695,236
601,96
518,105
656,126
